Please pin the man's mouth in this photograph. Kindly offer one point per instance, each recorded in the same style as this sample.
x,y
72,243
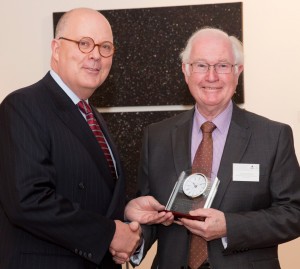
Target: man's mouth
x,y
93,69
211,88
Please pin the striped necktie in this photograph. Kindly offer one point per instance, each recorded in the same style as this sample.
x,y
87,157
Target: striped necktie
x,y
95,127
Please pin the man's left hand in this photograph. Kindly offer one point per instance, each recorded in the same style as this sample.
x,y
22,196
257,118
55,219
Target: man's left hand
x,y
213,227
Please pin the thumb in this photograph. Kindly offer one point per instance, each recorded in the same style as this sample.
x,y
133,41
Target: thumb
x,y
134,226
155,204
198,212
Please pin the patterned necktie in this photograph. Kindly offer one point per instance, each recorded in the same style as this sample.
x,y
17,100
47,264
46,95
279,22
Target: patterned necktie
x,y
92,122
202,163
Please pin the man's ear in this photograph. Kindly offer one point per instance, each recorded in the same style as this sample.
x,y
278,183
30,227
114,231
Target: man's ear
x,y
55,46
240,69
185,71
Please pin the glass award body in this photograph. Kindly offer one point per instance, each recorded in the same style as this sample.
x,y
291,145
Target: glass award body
x,y
191,191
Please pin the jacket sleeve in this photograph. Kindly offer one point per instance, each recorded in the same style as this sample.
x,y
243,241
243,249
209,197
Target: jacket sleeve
x,y
275,214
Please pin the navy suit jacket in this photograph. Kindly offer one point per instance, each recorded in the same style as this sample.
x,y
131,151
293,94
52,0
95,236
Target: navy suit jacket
x,y
58,199
259,215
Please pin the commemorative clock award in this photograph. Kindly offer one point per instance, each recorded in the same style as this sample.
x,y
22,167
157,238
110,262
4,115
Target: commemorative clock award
x,y
192,191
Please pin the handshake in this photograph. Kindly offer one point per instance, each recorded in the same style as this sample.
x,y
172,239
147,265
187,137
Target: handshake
x,y
128,236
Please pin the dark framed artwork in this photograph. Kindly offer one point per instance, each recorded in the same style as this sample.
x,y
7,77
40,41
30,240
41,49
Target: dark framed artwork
x,y
146,69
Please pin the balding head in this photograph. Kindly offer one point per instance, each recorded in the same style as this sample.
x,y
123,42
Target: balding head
x,y
81,71
66,21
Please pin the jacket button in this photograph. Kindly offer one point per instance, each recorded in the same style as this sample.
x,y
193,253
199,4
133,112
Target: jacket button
x,y
81,185
90,255
76,250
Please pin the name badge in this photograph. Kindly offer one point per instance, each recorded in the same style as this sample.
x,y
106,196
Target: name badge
x,y
245,172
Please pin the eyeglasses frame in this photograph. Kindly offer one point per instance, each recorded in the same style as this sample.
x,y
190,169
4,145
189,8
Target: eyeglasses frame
x,y
212,65
78,42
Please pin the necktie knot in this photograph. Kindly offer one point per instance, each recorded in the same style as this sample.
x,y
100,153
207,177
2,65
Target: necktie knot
x,y
84,107
207,127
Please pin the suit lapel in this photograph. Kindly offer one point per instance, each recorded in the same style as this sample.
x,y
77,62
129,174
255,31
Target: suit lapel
x,y
236,144
181,142
67,111
119,185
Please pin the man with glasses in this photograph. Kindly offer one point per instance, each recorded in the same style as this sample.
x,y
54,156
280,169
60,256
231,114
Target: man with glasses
x,y
257,204
62,185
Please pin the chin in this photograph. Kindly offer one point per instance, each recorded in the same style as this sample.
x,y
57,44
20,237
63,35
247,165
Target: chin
x,y
93,83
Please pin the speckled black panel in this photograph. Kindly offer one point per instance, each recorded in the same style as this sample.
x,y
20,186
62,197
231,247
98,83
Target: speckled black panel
x,y
127,130
146,68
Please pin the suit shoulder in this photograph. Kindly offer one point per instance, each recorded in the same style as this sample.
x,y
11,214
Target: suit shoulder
x,y
25,94
262,123
167,123
253,117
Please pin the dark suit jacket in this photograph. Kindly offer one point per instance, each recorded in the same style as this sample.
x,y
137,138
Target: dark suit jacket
x,y
259,215
58,199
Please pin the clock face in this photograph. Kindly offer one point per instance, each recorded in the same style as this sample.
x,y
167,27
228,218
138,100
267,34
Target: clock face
x,y
194,185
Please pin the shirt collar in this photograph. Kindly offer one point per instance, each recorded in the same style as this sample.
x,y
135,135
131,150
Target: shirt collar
x,y
222,121
65,88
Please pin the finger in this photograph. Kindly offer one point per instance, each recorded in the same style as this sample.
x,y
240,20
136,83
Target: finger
x,y
185,221
170,216
190,224
193,226
165,217
121,255
118,260
155,218
112,251
200,212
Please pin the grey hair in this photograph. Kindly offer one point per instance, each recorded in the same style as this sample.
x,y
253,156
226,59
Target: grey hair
x,y
237,46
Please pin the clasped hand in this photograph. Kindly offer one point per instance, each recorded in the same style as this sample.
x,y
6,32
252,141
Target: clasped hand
x,y
125,241
141,210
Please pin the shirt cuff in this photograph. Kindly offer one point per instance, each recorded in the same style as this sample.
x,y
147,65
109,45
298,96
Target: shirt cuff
x,y
224,242
137,256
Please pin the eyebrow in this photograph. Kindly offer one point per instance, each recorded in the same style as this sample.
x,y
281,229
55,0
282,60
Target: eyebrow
x,y
203,60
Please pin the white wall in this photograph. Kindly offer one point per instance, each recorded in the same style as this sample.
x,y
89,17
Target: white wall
x,y
271,41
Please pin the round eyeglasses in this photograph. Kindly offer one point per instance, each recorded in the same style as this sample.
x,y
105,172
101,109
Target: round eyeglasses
x,y
220,68
87,44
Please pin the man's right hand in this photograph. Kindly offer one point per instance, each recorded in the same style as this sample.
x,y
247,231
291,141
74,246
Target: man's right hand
x,y
125,241
147,210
